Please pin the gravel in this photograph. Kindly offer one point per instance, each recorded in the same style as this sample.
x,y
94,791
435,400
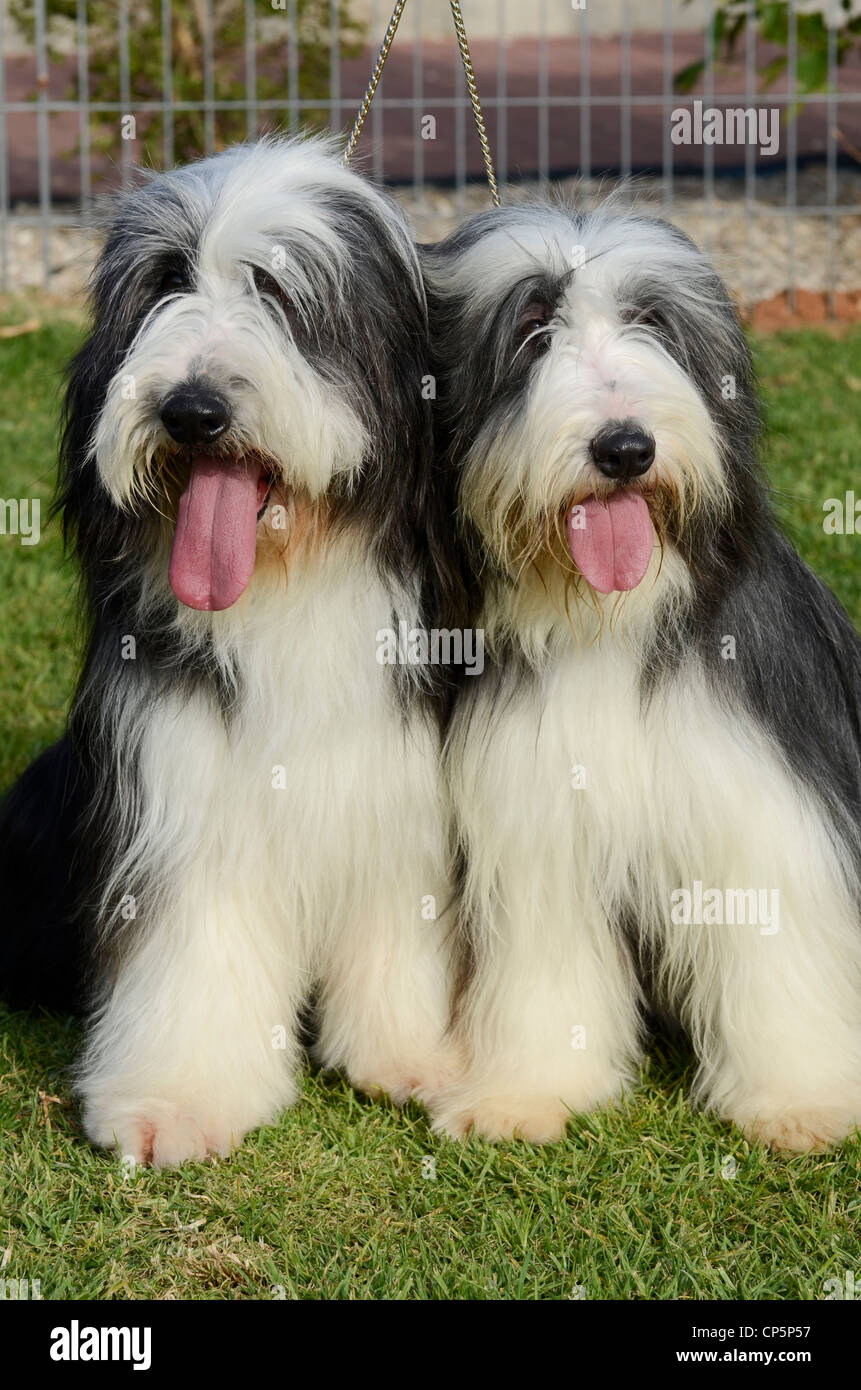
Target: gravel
x,y
751,247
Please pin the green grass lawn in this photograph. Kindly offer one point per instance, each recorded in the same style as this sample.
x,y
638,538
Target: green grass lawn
x,y
340,1199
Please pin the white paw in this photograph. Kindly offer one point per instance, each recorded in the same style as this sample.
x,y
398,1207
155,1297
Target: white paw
x,y
537,1119
159,1132
797,1129
381,1081
440,1072
421,1077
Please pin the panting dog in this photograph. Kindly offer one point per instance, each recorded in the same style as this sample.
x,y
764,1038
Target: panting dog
x,y
657,780
246,810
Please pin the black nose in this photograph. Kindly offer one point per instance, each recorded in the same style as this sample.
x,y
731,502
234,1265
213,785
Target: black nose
x,y
622,450
192,415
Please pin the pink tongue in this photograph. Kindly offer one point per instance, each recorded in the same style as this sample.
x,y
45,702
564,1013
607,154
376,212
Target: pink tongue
x,y
216,532
611,541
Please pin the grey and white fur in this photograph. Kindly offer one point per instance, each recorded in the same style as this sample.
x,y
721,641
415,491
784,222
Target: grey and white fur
x,y
246,811
700,726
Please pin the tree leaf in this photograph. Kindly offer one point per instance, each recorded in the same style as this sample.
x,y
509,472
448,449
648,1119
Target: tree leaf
x,y
687,78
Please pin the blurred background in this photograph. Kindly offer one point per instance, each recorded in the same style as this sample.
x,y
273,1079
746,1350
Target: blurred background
x,y
574,91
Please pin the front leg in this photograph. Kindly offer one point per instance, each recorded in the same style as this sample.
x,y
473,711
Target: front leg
x,y
779,1032
385,998
770,965
550,1020
195,1042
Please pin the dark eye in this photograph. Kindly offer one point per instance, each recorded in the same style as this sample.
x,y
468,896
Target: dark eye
x,y
531,326
174,280
267,286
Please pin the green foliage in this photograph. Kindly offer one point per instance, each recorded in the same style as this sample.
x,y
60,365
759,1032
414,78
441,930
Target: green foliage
x,y
312,57
773,19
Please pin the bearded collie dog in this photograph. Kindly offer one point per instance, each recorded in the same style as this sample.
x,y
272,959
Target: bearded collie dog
x,y
246,809
657,779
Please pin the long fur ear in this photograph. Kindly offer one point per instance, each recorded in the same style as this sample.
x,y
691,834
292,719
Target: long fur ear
x,y
403,497
104,538
93,526
107,542
456,417
99,755
120,293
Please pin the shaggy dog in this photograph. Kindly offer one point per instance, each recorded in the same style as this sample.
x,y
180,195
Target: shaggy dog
x,y
657,780
246,807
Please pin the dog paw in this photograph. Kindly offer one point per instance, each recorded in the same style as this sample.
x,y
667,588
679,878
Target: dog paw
x,y
158,1132
801,1130
440,1073
397,1085
536,1119
422,1079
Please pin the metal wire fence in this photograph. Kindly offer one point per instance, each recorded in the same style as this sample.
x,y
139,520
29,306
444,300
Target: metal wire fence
x,y
559,100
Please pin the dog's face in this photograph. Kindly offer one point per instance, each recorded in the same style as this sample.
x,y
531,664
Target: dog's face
x,y
257,356
595,380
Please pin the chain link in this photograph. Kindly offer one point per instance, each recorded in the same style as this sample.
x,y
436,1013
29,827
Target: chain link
x,y
371,88
477,112
471,83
